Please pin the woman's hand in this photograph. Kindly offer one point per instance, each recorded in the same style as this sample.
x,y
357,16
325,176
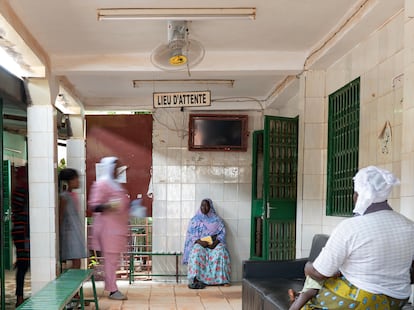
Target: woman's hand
x,y
214,244
204,244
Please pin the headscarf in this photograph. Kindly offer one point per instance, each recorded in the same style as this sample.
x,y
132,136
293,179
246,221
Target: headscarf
x,y
108,165
203,225
373,185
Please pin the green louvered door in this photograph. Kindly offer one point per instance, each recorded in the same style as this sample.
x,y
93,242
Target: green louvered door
x,y
8,244
274,210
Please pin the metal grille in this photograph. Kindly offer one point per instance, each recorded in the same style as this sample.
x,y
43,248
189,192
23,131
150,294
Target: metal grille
x,y
283,163
343,146
281,240
258,237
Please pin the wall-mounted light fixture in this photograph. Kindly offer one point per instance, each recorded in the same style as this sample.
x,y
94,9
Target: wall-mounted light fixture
x,y
175,13
182,82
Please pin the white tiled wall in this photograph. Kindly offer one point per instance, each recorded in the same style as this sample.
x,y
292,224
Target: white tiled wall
x,y
377,61
380,62
407,145
183,178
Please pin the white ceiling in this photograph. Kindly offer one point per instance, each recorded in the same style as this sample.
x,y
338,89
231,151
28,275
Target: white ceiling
x,y
98,60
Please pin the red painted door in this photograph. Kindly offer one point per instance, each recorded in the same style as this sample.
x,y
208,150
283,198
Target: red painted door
x,y
128,137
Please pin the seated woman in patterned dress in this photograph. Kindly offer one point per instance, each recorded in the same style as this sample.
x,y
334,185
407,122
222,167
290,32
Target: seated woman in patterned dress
x,y
205,249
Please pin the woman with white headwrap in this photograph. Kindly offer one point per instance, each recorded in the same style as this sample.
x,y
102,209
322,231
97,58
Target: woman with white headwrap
x,y
109,203
373,251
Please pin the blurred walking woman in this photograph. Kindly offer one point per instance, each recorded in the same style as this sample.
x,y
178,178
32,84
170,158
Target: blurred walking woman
x,y
109,203
205,249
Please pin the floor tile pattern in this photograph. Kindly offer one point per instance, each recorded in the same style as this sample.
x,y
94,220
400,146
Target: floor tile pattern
x,y
151,295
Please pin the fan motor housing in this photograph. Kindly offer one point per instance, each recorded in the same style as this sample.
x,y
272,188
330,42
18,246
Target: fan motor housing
x,y
179,52
177,30
177,37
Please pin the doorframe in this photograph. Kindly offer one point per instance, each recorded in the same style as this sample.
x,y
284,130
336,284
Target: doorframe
x,y
257,207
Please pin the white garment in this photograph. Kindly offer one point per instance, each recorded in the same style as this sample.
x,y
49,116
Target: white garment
x,y
372,184
108,169
374,252
150,192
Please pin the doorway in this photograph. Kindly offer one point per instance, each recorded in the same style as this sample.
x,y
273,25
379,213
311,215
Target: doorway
x,y
274,189
128,137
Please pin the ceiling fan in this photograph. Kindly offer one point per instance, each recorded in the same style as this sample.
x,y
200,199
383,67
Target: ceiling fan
x,y
179,52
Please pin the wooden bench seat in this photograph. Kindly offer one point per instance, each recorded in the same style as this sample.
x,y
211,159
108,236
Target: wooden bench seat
x,y
59,292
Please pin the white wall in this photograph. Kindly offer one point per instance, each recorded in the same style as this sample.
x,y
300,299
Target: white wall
x,y
378,61
183,178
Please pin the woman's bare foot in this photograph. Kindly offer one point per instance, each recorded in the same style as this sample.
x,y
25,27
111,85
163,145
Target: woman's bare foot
x,y
292,295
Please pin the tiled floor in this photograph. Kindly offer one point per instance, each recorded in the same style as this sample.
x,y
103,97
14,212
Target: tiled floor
x,y
154,296
10,288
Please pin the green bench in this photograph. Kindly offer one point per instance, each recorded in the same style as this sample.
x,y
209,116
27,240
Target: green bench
x,y
59,292
133,255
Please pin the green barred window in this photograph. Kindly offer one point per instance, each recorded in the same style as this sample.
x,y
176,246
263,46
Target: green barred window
x,y
343,143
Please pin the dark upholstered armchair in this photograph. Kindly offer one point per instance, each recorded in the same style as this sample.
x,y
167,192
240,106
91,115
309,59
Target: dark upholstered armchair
x,y
266,283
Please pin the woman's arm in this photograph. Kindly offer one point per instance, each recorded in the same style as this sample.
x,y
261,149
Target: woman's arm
x,y
313,273
99,197
62,207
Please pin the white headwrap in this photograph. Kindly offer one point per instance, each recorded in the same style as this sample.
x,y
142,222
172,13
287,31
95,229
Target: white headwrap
x,y
108,165
372,185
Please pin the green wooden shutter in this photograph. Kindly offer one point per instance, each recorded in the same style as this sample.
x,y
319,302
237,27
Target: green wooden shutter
x,y
8,244
2,228
343,147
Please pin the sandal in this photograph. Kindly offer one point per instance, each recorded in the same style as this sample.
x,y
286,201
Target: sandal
x,y
196,285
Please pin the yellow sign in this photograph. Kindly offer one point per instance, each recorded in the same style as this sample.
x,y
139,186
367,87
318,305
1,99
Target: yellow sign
x,y
182,99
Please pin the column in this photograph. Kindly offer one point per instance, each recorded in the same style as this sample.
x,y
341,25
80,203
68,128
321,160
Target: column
x,y
312,158
42,154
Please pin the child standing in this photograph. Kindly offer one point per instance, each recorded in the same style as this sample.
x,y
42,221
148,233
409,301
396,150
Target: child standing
x,y
72,232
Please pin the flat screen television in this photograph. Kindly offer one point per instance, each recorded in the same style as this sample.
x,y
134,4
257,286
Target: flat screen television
x,y
218,132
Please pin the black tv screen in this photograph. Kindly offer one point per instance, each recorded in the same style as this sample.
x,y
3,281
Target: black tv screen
x,y
213,132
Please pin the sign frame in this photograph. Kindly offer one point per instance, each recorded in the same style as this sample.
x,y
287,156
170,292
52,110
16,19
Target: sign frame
x,y
181,99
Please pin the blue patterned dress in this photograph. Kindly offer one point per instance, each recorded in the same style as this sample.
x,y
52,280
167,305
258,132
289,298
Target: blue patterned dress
x,y
210,266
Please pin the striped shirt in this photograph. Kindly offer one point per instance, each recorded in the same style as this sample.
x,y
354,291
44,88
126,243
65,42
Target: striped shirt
x,y
20,220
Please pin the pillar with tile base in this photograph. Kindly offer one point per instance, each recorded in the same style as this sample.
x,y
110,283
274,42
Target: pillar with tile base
x,y
42,159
